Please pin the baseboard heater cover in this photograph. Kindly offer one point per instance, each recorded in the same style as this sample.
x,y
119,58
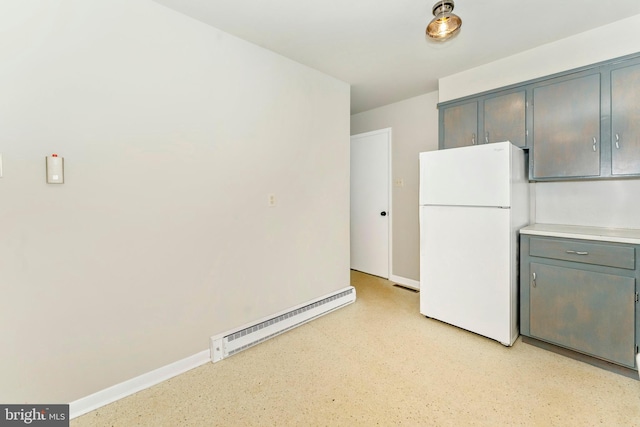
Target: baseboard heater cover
x,y
234,341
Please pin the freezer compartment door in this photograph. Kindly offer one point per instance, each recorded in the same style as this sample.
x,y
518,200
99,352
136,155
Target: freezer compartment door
x,y
466,263
479,175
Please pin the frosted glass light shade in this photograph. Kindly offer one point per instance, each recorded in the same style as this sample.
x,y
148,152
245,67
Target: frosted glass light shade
x,y
445,24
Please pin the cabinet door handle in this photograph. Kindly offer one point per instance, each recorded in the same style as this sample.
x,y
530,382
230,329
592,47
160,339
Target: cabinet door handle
x,y
594,143
533,283
473,139
577,252
617,141
486,138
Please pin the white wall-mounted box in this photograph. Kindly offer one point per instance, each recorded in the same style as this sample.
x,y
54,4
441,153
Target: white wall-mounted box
x,y
55,169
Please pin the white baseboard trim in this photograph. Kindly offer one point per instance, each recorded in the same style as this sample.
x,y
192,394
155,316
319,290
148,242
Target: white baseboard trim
x,y
134,385
409,283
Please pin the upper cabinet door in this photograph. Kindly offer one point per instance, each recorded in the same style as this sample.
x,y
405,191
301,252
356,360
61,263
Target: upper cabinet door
x,y
461,125
625,121
504,119
566,128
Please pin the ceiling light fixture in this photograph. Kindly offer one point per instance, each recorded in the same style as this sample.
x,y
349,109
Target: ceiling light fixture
x,y
445,24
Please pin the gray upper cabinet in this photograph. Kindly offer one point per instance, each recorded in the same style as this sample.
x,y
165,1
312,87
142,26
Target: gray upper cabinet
x,y
504,118
460,125
625,120
493,118
566,128
578,124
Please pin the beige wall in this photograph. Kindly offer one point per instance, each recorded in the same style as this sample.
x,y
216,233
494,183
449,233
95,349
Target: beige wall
x,y
610,203
173,134
610,41
414,124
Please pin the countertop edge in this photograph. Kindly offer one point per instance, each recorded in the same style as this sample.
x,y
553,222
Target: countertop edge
x,y
613,235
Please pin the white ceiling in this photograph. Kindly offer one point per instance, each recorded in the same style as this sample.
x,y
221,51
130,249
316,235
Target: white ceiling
x,y
379,46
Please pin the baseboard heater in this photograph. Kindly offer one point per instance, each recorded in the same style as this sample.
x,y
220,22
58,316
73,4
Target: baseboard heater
x,y
232,342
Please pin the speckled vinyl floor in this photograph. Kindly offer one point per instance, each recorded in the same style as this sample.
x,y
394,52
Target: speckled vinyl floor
x,y
379,362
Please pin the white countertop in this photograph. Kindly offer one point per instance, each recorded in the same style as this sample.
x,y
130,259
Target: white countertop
x,y
617,235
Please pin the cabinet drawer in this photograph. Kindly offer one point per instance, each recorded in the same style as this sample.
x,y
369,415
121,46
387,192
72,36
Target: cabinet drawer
x,y
584,252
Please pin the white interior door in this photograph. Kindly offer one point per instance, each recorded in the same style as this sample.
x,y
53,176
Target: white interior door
x,y
370,216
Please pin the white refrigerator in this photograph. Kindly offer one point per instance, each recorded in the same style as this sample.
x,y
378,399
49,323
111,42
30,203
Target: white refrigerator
x,y
473,201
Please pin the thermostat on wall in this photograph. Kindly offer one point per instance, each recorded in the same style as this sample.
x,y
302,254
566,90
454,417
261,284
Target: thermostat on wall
x,y
55,169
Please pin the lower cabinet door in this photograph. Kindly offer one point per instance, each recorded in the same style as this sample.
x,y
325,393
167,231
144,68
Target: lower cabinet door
x,y
590,312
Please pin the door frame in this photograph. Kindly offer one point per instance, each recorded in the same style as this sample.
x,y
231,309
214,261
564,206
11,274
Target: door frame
x,y
389,133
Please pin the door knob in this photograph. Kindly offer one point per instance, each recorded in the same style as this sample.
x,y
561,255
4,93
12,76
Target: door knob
x,y
383,213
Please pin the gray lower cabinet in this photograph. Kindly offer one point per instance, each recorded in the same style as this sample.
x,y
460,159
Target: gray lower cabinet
x,y
625,120
460,125
566,128
581,295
